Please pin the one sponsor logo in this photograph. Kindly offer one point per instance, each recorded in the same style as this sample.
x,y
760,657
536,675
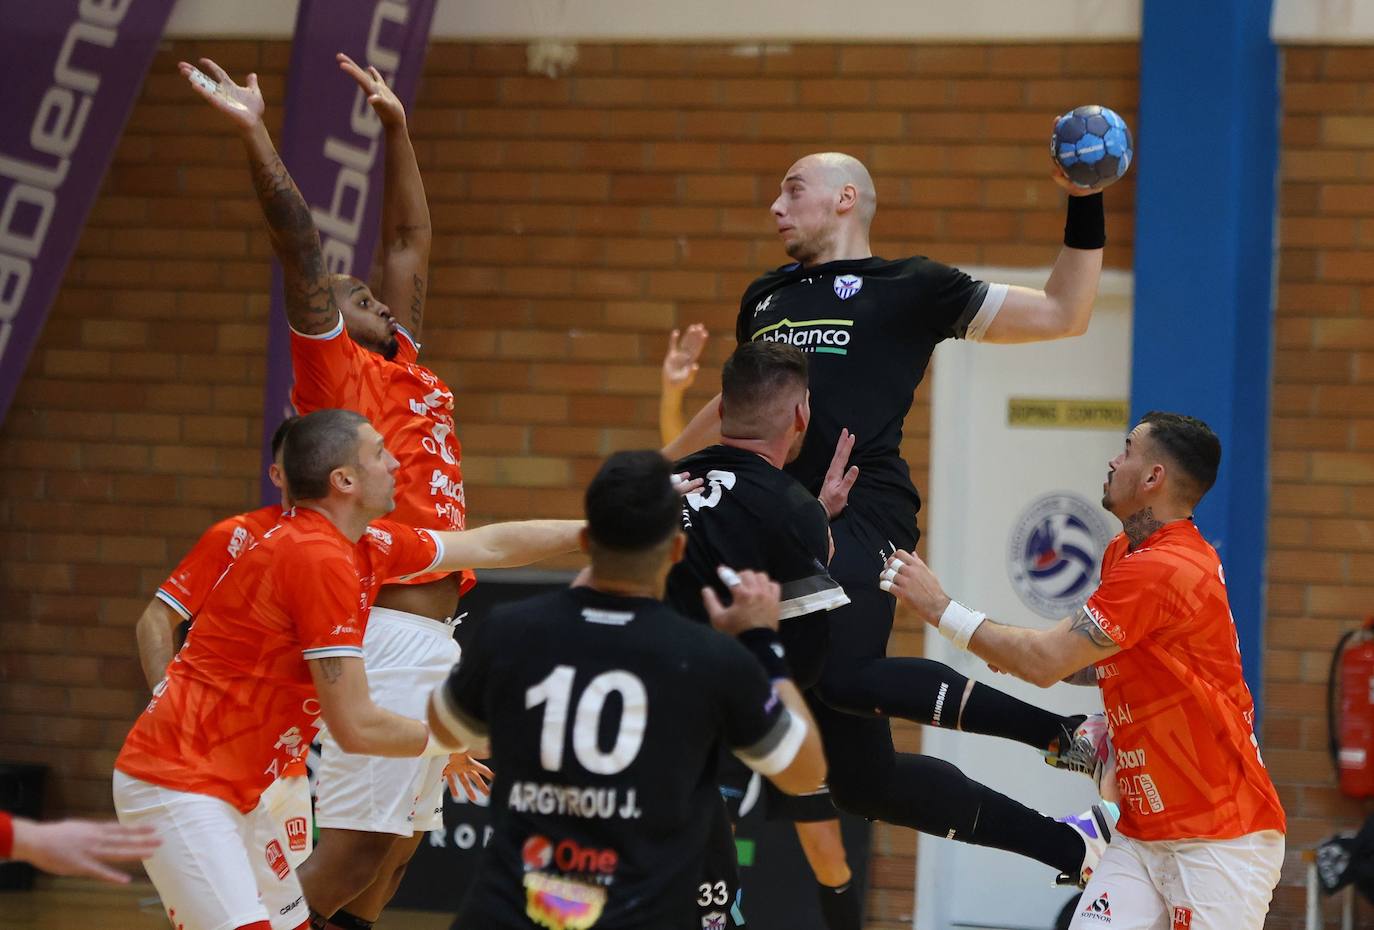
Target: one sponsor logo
x,y
1147,785
239,541
290,740
297,834
300,899
717,483
847,285
607,617
939,704
381,537
1054,556
440,483
762,305
559,903
1120,714
343,629
826,336
567,855
713,921
1130,758
527,797
1099,910
1182,918
1106,669
276,860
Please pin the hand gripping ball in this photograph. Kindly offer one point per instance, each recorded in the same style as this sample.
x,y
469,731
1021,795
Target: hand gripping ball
x,y
1093,146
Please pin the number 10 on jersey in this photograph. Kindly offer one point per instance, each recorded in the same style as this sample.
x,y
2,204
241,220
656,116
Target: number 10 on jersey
x,y
555,694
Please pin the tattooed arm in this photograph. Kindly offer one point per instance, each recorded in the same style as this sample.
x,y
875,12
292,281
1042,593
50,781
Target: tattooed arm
x,y
1042,657
406,231
310,306
1084,676
357,724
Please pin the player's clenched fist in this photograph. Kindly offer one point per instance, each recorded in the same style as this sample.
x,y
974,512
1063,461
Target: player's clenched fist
x,y
754,601
912,582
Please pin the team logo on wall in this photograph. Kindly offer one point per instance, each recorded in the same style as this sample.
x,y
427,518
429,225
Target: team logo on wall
x,y
847,285
1054,557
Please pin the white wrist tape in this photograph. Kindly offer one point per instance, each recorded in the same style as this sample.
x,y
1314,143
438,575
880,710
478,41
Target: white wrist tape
x,y
958,623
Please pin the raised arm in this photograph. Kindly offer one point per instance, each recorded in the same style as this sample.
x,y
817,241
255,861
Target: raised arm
x,y
679,371
700,433
406,231
1065,306
310,306
508,545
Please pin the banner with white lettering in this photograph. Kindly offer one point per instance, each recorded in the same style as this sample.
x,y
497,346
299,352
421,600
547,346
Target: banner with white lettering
x,y
333,145
71,71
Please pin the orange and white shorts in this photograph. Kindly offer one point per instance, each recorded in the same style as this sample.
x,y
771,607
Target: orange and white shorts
x,y
1182,884
218,869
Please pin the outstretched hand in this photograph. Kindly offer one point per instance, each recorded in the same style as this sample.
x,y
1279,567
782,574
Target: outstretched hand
x,y
474,777
83,847
243,106
908,578
382,98
680,362
839,479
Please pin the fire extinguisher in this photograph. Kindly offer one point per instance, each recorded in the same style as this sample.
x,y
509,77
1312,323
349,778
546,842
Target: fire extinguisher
x,y
1350,711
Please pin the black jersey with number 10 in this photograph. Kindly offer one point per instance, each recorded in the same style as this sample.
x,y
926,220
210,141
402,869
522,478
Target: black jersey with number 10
x,y
869,326
604,714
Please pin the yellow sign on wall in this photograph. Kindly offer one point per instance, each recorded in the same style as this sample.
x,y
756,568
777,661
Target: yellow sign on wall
x,y
1066,413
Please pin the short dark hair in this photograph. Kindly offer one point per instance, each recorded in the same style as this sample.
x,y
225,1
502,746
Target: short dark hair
x,y
1190,444
314,446
757,372
279,436
631,505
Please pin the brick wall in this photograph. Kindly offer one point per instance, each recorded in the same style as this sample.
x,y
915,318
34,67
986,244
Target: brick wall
x,y
1321,530
577,219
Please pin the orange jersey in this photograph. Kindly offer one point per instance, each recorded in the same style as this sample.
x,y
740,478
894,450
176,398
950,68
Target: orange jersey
x,y
186,588
1179,711
405,402
238,704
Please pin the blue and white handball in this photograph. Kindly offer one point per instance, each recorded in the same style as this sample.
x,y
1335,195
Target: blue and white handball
x,y
1093,146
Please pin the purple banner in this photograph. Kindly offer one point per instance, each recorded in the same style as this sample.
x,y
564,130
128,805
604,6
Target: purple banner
x,y
71,72
334,147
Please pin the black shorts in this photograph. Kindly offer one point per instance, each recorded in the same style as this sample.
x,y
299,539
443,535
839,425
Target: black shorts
x,y
743,790
866,535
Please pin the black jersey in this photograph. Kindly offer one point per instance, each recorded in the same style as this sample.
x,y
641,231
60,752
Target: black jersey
x,y
752,515
604,714
869,326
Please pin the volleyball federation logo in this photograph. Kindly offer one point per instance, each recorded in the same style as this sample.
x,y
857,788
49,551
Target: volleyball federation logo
x,y
1054,557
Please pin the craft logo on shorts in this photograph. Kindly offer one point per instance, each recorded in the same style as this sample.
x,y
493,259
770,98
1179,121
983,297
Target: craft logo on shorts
x,y
297,834
1054,557
561,903
713,921
830,337
276,860
847,285
1099,910
1183,919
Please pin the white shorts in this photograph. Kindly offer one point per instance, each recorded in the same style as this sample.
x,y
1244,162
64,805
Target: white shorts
x,y
1182,884
216,869
407,657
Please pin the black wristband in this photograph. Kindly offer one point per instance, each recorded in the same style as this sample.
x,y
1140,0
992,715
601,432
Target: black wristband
x,y
1085,227
766,646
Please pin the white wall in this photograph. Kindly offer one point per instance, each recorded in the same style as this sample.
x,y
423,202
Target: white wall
x,y
1338,22
672,20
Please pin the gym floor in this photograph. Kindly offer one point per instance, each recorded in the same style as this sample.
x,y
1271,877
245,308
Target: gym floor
x,y
73,904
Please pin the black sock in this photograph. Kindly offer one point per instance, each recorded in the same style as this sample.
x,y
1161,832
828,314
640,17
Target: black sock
x,y
839,906
346,921
995,713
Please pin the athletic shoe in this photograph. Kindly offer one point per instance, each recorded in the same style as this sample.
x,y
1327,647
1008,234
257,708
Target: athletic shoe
x,y
1095,826
1085,749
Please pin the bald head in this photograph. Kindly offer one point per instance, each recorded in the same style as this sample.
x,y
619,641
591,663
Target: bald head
x,y
836,170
